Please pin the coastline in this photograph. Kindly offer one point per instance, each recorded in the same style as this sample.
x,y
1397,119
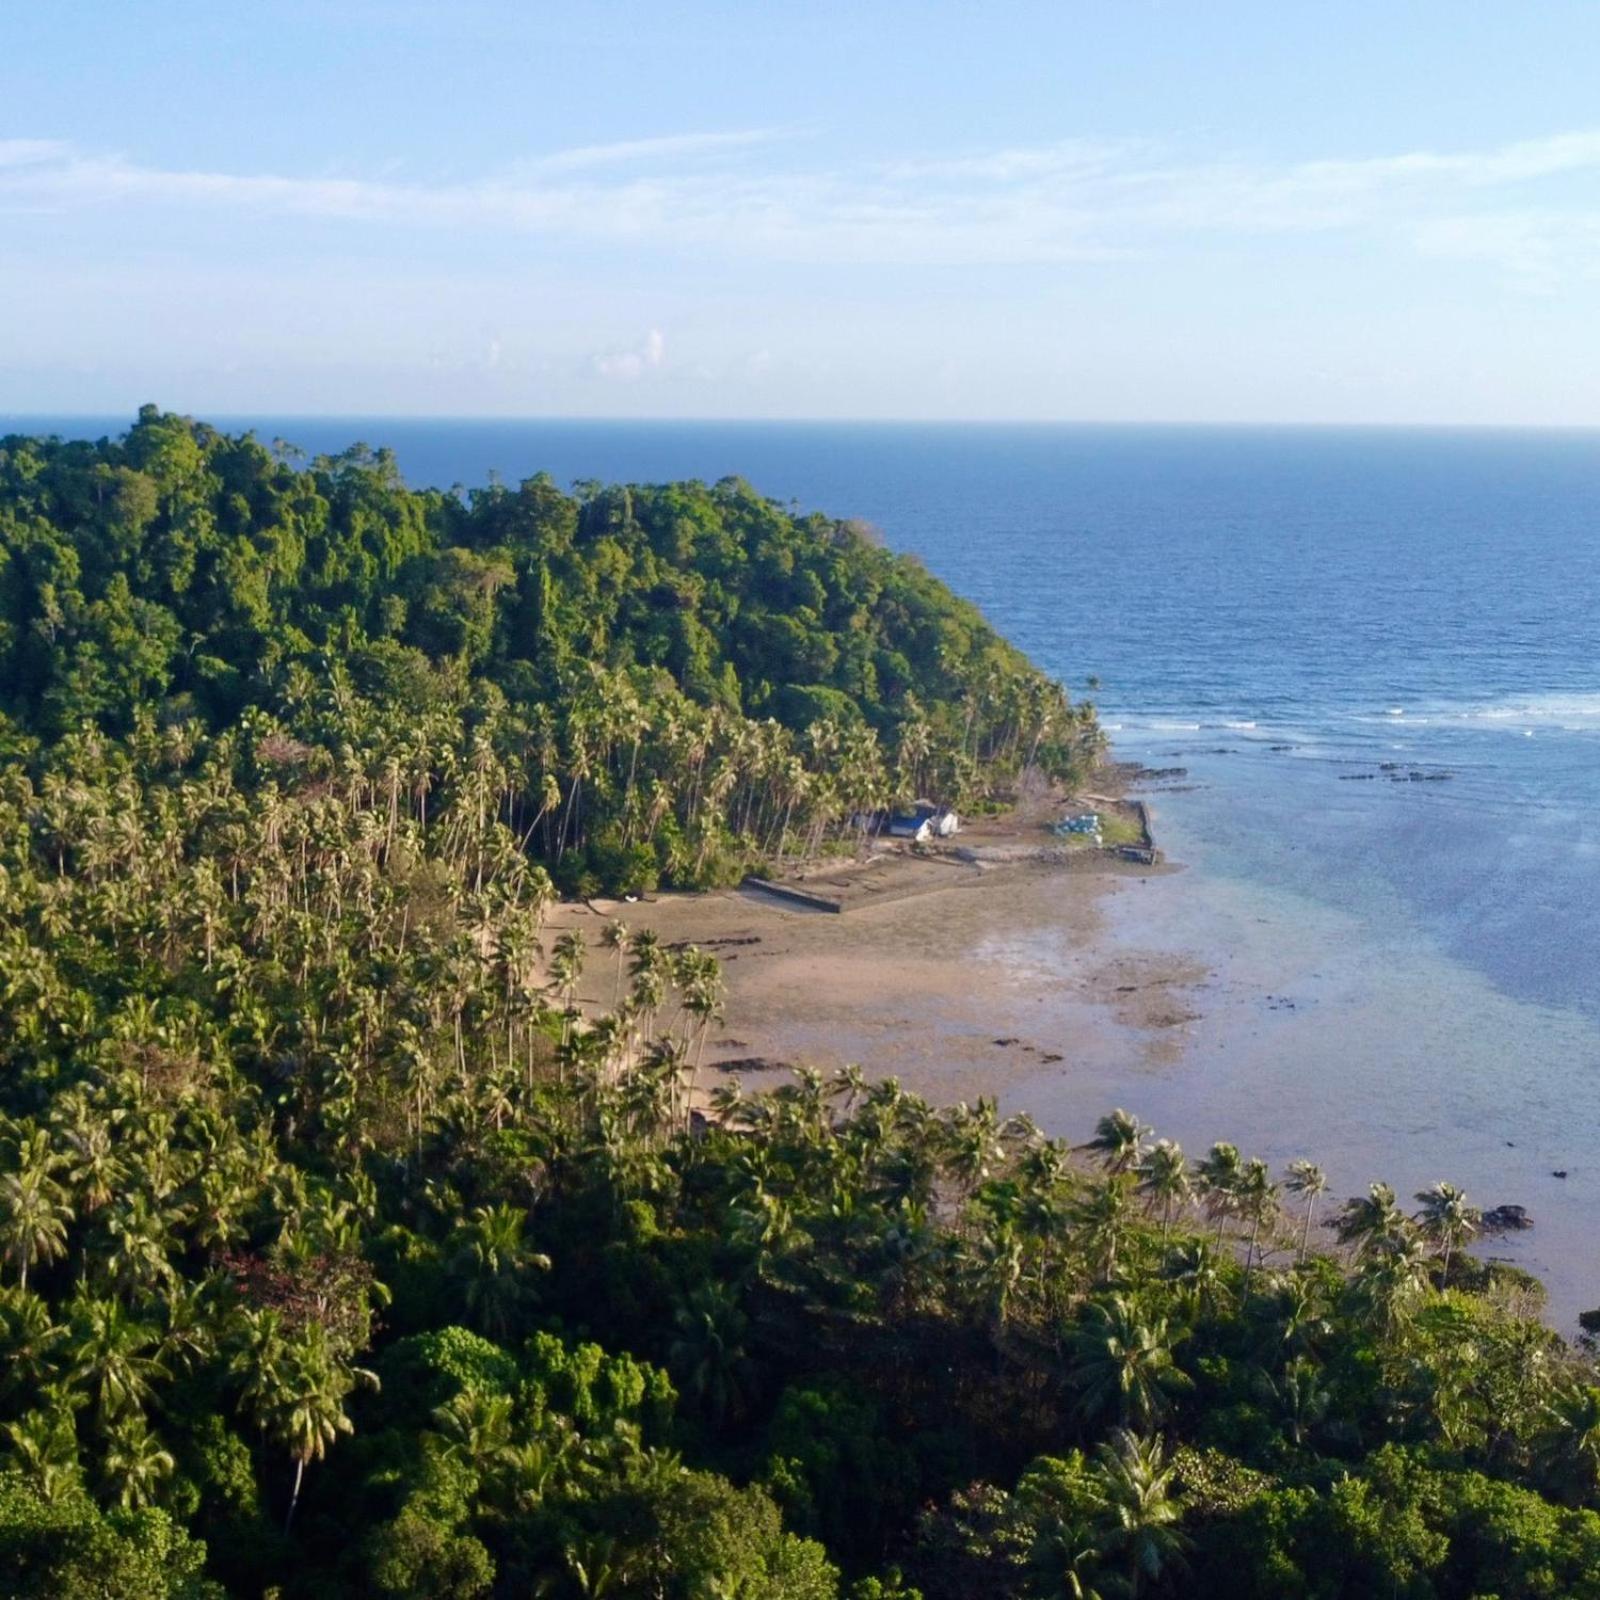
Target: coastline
x,y
1206,1006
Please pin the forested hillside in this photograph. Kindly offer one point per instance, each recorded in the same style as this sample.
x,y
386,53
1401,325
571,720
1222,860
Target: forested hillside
x,y
344,1252
652,682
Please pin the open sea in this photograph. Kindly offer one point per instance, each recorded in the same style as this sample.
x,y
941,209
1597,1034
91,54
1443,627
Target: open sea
x,y
1376,653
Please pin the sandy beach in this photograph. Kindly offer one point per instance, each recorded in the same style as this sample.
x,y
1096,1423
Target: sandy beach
x,y
1211,1009
928,976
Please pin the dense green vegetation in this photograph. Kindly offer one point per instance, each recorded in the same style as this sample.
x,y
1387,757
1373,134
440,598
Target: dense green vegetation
x,y
345,1251
649,683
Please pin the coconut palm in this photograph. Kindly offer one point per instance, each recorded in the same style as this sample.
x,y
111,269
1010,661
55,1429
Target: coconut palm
x,y
492,1260
974,1146
1141,1531
31,1341
1372,1224
1257,1200
295,1384
1121,1364
1447,1221
1568,1444
1217,1175
1306,1179
136,1464
112,1356
43,1445
34,1215
1392,1276
1119,1140
1100,1219
1298,1396
1164,1178
615,936
707,1351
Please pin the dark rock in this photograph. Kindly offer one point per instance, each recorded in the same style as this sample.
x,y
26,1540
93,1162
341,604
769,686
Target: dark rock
x,y
1560,1172
1005,1043
1357,777
1589,1321
1050,1055
1507,1219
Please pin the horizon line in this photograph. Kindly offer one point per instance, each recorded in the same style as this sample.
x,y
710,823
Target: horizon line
x,y
590,419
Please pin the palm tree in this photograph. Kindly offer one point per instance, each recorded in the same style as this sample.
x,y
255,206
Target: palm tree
x,y
477,1429
1119,1140
702,1000
1122,1365
44,1444
1307,1179
1448,1222
136,1464
1197,1270
30,1341
1142,1513
566,969
493,1260
1164,1177
707,1352
1372,1224
1568,1447
848,1084
973,1142
1392,1276
295,1384
1258,1205
1218,1175
111,1356
33,1217
1100,1219
1299,1396
615,936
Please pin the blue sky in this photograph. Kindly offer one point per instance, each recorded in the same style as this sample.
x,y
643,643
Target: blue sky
x,y
1212,211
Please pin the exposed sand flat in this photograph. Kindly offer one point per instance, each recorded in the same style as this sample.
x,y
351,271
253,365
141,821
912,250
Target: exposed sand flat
x,y
927,978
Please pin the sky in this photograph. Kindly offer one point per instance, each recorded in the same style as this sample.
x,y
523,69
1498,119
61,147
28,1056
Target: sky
x,y
1147,210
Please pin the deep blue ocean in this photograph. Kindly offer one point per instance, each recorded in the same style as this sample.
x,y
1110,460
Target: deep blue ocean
x,y
1302,618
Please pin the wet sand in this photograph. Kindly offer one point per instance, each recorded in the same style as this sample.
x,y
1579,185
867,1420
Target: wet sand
x,y
1212,1008
948,985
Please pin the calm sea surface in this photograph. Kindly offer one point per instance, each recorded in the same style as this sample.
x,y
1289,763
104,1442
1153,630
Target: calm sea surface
x,y
1406,967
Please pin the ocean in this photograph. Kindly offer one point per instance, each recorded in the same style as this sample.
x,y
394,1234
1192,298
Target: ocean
x,y
1376,655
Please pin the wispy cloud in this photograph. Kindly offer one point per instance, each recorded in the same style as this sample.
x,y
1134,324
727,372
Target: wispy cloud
x,y
1075,200
633,152
628,366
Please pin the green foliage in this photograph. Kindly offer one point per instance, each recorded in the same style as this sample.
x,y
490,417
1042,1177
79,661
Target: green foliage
x,y
638,656
350,1244
427,1370
66,1549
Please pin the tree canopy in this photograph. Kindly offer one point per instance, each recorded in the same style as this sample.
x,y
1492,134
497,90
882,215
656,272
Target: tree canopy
x,y
359,1237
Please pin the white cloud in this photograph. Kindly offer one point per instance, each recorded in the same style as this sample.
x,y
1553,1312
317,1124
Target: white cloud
x,y
1539,249
628,366
700,194
631,152
28,152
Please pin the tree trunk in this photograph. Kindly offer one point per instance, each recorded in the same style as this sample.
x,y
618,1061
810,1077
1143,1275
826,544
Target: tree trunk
x,y
294,1498
1305,1232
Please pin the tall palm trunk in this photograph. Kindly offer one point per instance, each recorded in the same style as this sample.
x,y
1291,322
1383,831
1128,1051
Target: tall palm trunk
x,y
1305,1232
